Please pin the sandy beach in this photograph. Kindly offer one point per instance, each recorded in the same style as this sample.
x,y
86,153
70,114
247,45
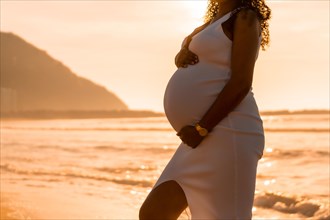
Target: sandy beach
x,y
104,169
42,203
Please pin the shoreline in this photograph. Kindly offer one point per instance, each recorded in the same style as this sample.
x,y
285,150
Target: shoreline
x,y
77,114
45,114
10,208
64,201
52,204
95,169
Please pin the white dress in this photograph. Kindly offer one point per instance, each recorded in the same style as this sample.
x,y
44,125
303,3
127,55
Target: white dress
x,y
217,177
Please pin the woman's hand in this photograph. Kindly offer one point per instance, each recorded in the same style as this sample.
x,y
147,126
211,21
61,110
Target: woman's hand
x,y
185,57
190,136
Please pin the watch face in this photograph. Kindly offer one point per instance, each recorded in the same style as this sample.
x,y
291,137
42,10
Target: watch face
x,y
203,132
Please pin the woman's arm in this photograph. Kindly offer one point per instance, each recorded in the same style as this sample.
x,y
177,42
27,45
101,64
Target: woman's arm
x,y
244,50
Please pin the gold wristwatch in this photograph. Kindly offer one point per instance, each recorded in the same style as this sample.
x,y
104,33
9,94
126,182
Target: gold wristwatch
x,y
202,131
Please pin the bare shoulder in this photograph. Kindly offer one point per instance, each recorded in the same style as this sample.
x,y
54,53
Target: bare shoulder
x,y
247,18
247,15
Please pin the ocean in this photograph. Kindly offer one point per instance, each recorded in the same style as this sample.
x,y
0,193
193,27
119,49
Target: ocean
x,y
104,168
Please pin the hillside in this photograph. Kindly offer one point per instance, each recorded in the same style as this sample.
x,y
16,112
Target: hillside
x,y
32,80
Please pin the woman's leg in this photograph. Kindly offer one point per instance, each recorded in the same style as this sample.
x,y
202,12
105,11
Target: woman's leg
x,y
165,202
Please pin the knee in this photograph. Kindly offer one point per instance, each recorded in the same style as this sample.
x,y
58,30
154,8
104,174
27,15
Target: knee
x,y
146,213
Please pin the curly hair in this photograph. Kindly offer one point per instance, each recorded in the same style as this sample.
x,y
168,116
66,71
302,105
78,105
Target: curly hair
x,y
259,6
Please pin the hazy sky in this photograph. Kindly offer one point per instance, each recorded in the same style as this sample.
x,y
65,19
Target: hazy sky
x,y
129,46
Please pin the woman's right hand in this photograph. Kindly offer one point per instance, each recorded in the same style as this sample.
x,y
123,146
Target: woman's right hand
x,y
185,57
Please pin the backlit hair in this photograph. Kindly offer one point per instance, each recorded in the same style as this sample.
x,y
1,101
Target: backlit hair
x,y
259,6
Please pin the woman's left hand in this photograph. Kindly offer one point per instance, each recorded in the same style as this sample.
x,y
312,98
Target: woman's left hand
x,y
185,57
190,136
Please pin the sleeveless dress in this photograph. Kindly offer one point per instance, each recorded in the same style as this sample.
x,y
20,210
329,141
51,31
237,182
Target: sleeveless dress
x,y
218,177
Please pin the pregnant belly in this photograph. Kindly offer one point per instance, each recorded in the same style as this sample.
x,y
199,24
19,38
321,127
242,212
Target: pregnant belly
x,y
191,91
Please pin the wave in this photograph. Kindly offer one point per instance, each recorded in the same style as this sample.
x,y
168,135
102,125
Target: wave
x,y
289,204
297,130
148,147
298,153
119,170
293,205
163,129
91,129
77,174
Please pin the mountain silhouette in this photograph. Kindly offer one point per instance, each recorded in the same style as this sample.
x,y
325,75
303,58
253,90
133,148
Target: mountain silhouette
x,y
32,80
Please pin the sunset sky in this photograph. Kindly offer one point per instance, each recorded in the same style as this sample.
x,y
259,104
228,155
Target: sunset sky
x,y
129,46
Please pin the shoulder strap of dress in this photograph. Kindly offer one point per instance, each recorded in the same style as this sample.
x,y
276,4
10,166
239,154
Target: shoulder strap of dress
x,y
189,37
197,30
236,10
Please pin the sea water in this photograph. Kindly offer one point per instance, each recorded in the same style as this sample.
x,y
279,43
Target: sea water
x,y
113,164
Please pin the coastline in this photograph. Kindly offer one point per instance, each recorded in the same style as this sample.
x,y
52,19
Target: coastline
x,y
35,201
78,114
104,168
10,210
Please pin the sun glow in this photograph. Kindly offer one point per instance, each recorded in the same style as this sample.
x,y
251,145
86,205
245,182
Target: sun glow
x,y
196,8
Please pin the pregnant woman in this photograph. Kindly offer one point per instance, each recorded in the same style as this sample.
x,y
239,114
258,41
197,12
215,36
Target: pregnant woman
x,y
210,103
